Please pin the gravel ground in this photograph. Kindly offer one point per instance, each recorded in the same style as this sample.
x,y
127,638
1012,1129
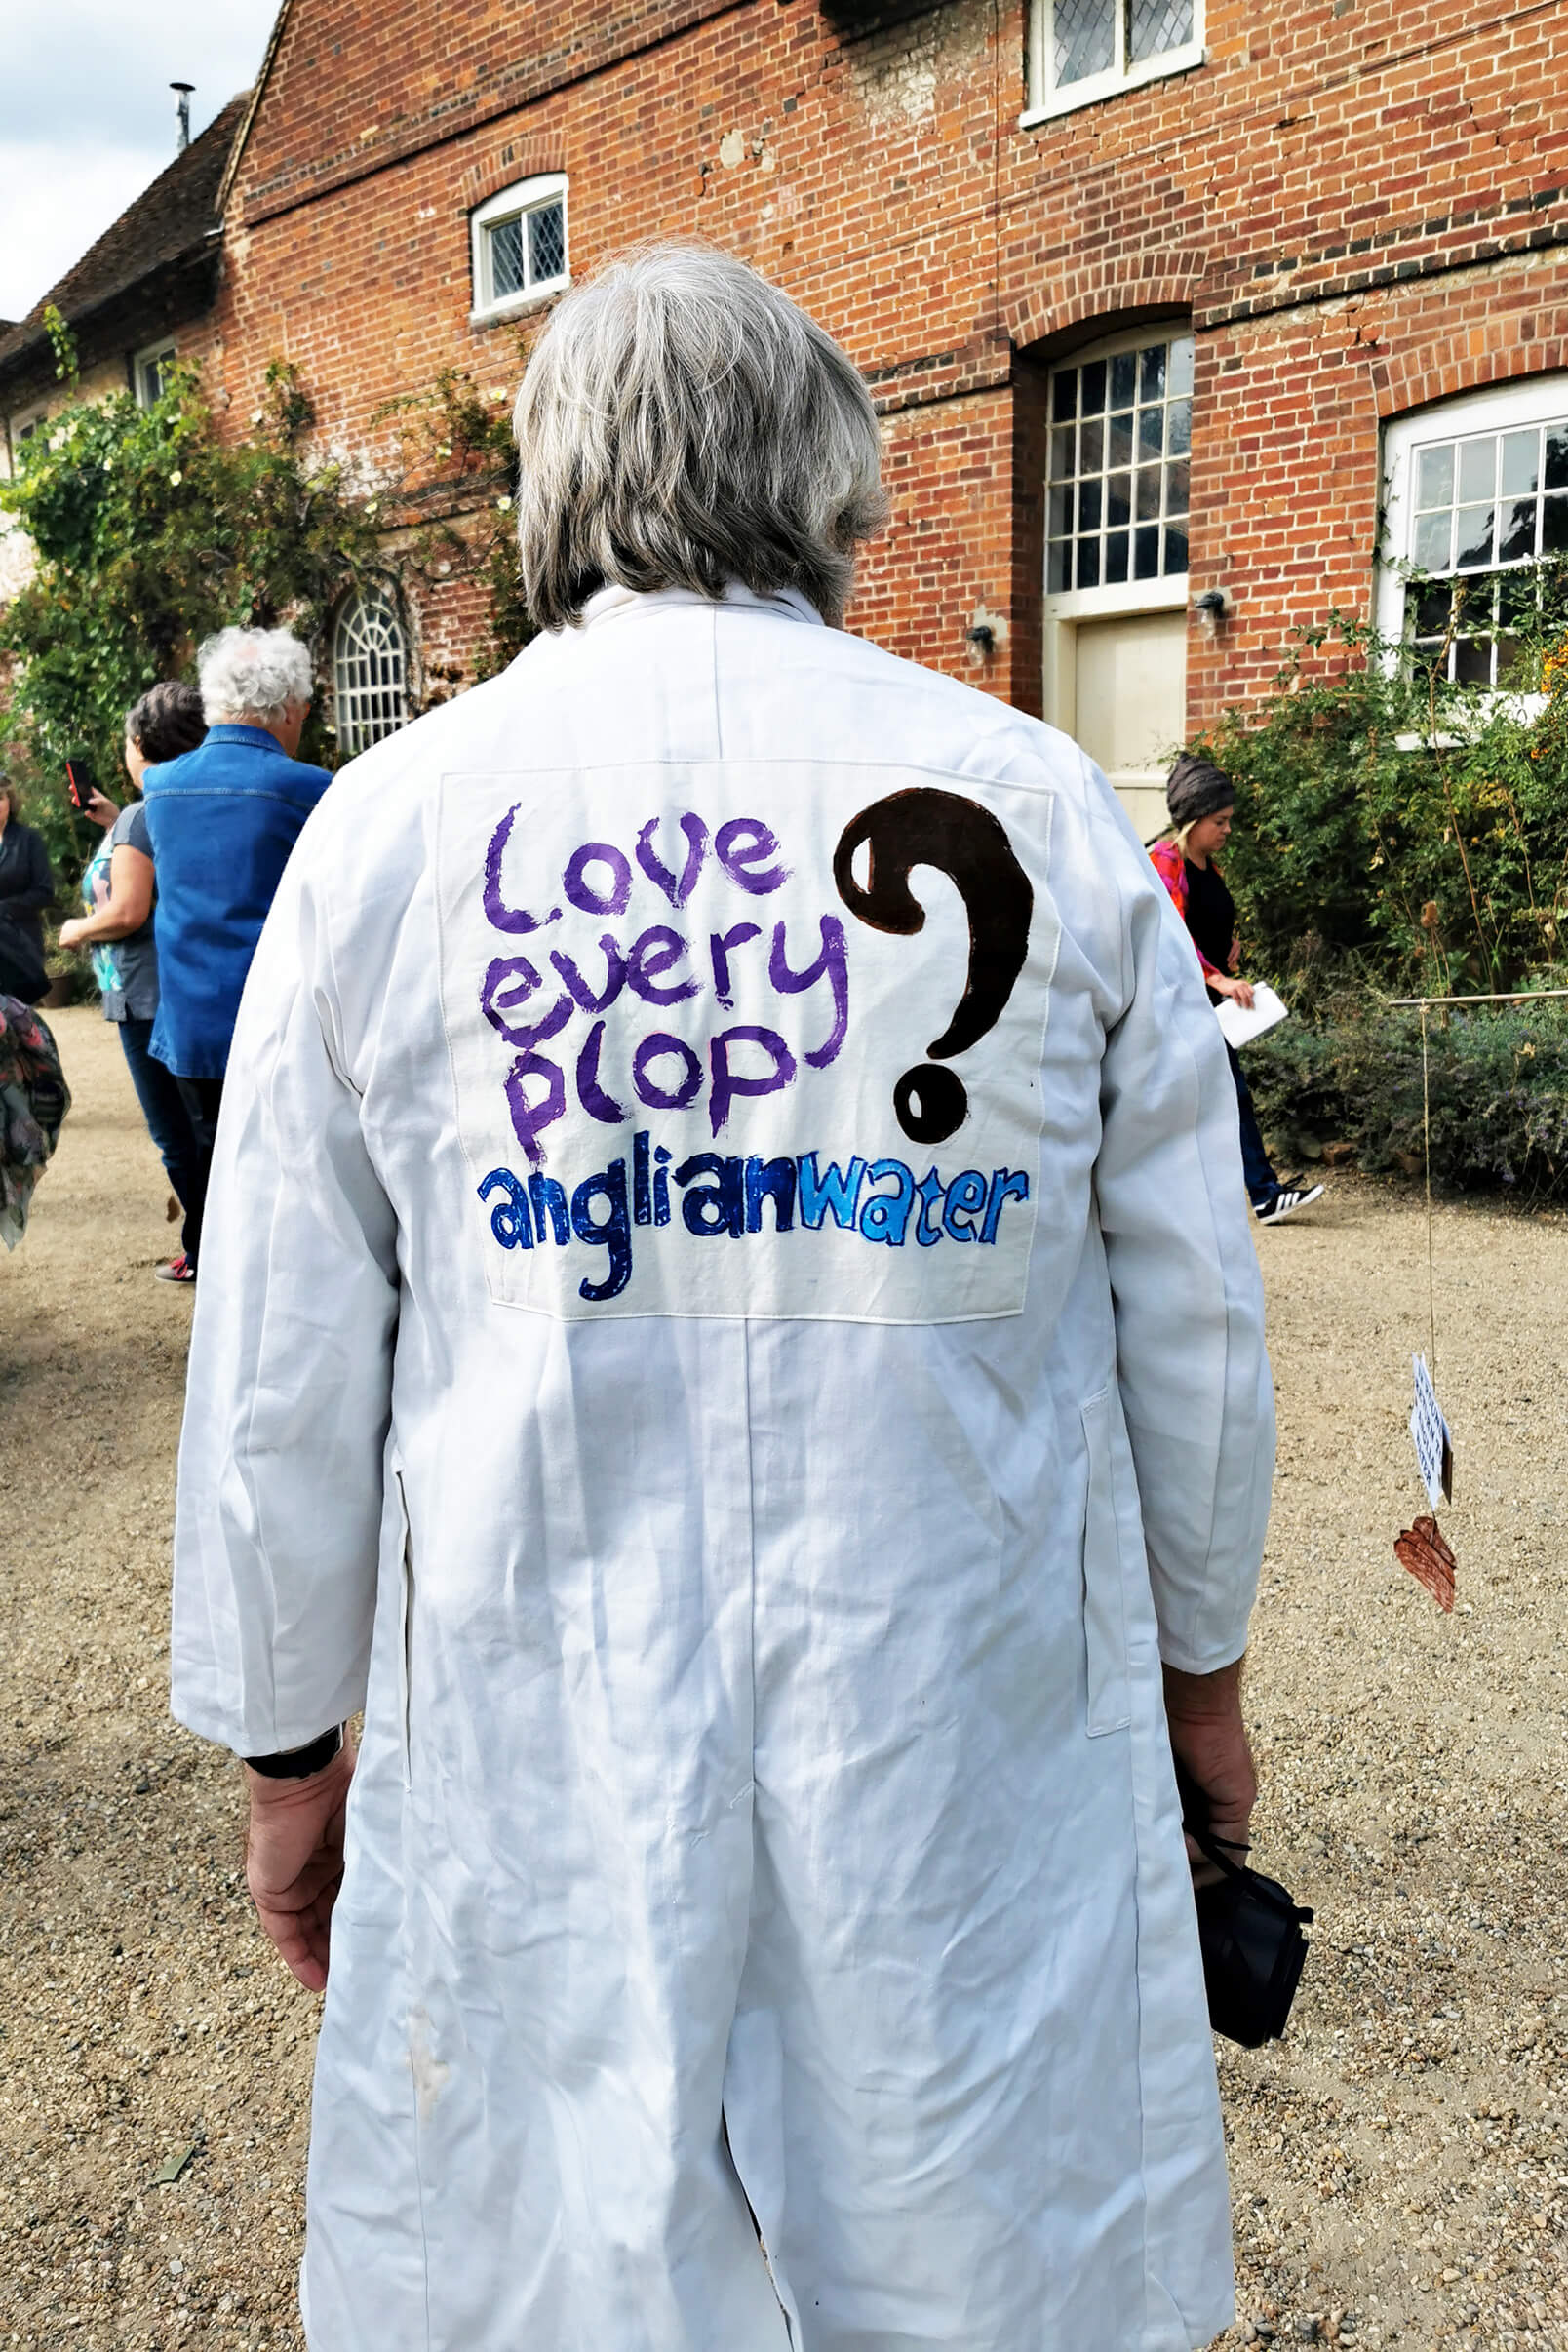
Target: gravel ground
x,y
1400,2162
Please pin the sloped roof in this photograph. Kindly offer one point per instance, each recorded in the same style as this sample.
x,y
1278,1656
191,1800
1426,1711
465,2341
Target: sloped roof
x,y
167,222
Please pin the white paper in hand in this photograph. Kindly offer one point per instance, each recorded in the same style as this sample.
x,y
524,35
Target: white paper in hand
x,y
1241,1027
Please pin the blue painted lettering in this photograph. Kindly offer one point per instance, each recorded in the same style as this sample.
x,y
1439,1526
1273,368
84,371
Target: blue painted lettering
x,y
833,1190
885,1215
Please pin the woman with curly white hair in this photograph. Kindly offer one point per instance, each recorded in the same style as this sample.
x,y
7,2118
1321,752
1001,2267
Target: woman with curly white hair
x,y
221,820
733,1337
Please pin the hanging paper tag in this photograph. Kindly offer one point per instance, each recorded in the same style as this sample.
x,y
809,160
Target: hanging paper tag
x,y
1434,1450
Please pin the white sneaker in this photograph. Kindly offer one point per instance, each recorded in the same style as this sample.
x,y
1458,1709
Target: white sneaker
x,y
1285,1202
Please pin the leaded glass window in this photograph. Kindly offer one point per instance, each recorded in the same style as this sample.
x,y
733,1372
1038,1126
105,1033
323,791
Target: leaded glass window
x,y
369,669
1121,441
1487,511
1093,45
520,244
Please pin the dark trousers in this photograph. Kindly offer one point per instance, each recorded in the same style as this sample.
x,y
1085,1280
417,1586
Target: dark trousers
x,y
202,1098
163,1107
1256,1166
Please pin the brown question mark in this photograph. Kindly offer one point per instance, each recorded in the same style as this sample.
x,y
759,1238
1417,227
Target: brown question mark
x,y
925,827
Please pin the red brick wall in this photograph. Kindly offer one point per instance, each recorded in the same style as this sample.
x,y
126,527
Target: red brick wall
x,y
1359,207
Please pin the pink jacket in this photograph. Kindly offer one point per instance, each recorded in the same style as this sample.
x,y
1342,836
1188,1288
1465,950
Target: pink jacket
x,y
1171,867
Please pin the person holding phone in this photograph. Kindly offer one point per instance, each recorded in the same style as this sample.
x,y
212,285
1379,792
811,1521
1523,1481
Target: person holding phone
x,y
118,929
27,887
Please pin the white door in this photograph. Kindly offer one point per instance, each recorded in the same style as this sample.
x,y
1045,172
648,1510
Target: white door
x,y
1118,507
1130,698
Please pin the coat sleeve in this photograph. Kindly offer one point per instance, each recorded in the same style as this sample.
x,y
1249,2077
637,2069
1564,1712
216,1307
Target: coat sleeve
x,y
35,882
288,1400
1191,1361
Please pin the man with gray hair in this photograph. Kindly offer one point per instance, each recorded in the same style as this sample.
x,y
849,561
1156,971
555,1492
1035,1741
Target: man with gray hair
x,y
221,820
737,1341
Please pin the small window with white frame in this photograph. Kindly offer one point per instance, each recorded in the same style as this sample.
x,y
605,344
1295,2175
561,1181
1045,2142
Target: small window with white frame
x,y
520,246
20,428
149,371
369,668
1083,51
1476,519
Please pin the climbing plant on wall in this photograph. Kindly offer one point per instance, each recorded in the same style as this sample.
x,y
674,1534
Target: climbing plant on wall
x,y
148,531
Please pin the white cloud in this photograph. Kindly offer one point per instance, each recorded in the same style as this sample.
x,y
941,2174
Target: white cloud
x,y
54,202
87,118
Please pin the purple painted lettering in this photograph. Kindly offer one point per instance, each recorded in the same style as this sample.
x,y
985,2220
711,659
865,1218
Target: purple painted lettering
x,y
530,1117
654,1048
581,892
835,962
592,1096
614,976
653,954
729,1084
654,866
507,986
741,845
496,911
720,944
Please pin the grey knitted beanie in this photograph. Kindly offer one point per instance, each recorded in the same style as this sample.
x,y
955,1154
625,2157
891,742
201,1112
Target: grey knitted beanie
x,y
1196,789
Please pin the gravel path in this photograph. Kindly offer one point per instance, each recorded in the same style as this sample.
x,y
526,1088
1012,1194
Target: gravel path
x,y
1400,2162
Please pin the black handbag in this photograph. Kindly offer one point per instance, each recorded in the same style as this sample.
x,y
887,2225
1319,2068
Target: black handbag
x,y
1250,1929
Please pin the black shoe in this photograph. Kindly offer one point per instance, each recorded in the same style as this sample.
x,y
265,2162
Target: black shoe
x,y
1285,1202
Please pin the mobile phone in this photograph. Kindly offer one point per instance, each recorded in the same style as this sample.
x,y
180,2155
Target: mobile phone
x,y
80,782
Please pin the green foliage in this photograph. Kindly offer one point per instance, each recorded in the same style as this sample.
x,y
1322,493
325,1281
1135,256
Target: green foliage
x,y
459,445
1387,815
149,532
1497,1083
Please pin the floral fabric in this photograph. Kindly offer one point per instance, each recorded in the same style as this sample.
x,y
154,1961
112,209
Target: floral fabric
x,y
34,1099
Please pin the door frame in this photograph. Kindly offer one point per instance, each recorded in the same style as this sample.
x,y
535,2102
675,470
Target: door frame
x,y
1062,615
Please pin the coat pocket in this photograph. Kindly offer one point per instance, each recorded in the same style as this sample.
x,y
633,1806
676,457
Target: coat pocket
x,y
1104,1611
405,1624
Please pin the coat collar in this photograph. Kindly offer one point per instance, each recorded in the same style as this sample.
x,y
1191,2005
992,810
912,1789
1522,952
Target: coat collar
x,y
613,603
256,736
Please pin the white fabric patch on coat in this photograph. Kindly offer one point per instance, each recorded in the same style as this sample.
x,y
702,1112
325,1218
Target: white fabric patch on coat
x,y
431,2074
748,1040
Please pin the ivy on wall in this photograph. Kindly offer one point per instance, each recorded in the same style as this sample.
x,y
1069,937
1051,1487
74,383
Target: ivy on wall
x,y
149,529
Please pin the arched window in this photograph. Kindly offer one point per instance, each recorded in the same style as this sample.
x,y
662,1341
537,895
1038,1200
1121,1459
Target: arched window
x,y
369,668
520,246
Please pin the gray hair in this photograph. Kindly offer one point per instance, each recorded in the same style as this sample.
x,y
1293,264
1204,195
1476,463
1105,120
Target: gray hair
x,y
251,674
682,424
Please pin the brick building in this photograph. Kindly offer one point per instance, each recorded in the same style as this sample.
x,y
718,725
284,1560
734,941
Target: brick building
x,y
1164,302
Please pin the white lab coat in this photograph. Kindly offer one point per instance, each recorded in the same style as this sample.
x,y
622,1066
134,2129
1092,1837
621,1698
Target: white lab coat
x,y
751,1532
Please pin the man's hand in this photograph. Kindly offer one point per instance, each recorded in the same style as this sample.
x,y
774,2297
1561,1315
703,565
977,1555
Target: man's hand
x,y
293,1861
1210,1738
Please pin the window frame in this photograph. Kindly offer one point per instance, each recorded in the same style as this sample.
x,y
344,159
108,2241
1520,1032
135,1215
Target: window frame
x,y
384,590
1045,101
1166,589
514,203
21,427
1521,401
1062,612
166,348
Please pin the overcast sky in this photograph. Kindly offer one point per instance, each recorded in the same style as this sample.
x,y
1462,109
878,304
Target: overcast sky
x,y
87,117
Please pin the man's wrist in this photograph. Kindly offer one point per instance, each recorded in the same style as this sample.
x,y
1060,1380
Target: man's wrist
x,y
1194,1697
299,1763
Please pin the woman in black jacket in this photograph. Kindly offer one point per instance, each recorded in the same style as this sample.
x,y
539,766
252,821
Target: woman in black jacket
x,y
27,887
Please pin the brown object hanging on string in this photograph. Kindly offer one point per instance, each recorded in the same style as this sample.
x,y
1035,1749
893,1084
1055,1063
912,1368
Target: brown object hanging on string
x,y
1422,1549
